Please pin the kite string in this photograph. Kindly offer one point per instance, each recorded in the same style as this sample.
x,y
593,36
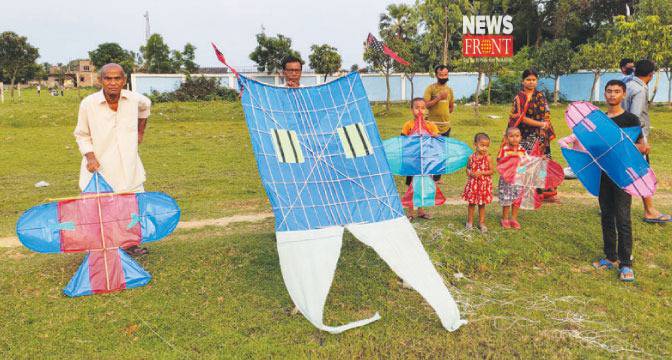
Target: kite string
x,y
128,308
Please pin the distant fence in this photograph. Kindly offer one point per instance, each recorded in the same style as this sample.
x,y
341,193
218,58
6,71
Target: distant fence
x,y
573,87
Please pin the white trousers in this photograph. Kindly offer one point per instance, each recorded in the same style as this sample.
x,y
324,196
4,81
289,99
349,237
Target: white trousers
x,y
308,262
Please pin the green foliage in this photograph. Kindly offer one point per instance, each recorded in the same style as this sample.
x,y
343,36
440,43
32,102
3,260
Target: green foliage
x,y
638,38
197,89
270,52
156,54
188,57
16,56
554,59
443,21
107,53
660,8
324,59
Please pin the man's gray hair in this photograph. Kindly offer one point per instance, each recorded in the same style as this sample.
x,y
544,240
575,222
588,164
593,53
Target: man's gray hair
x,y
111,66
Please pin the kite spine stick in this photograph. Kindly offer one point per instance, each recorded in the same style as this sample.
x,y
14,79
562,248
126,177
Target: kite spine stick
x,y
84,197
102,238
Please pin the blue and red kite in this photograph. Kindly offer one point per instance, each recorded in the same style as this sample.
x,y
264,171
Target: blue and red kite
x,y
598,144
100,223
421,155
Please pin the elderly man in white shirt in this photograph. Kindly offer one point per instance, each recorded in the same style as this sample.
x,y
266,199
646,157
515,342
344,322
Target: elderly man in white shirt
x,y
110,126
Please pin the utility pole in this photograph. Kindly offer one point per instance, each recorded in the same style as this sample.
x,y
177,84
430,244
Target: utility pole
x,y
147,30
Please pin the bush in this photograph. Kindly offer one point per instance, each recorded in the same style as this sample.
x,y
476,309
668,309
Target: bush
x,y
505,87
197,89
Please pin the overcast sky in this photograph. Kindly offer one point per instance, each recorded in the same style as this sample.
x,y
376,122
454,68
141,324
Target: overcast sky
x,y
66,30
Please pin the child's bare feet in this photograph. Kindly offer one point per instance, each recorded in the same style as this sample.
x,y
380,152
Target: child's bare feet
x,y
505,224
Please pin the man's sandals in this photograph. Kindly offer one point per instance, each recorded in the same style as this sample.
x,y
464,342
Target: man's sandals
x,y
660,219
136,251
605,264
625,273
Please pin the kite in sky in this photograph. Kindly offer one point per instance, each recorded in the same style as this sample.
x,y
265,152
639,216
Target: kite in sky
x,y
531,172
380,47
100,223
322,164
421,155
598,144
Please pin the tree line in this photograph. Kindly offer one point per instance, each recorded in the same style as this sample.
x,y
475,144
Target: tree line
x,y
556,37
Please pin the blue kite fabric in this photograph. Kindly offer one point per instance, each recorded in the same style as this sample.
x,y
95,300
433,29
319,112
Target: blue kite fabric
x,y
100,223
319,154
416,155
598,144
421,155
323,166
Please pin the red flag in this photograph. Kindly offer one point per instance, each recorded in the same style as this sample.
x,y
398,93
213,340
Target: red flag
x,y
381,47
221,58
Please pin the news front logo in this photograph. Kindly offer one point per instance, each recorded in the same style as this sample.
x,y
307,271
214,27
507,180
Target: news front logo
x,y
487,36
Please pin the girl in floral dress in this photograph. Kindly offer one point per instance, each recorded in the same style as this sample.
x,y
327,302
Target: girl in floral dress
x,y
478,190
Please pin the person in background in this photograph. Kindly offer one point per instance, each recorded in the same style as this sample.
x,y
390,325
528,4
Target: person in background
x,y
292,68
531,114
636,101
441,103
627,69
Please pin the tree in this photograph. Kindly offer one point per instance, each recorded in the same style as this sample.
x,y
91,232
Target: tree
x,y
354,67
492,68
660,8
176,60
665,62
16,56
382,63
324,59
595,56
554,59
399,28
640,38
443,21
188,57
156,55
270,52
107,53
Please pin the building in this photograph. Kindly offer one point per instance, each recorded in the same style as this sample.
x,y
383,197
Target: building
x,y
78,73
85,73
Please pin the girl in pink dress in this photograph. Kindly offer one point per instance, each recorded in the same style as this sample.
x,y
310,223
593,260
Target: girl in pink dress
x,y
478,190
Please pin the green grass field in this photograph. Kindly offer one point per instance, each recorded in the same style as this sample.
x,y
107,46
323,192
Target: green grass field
x,y
218,292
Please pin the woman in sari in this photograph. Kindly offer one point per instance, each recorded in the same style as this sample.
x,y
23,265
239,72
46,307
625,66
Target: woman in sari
x,y
532,116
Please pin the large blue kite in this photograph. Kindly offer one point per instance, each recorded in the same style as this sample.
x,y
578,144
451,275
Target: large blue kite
x,y
323,166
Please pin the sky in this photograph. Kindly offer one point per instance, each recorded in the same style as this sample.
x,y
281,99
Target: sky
x,y
67,30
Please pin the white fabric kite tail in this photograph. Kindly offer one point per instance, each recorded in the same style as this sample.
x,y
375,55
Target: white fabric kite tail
x,y
308,262
397,243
